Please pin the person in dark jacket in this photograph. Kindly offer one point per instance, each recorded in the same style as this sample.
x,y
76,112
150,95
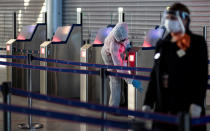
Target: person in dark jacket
x,y
179,77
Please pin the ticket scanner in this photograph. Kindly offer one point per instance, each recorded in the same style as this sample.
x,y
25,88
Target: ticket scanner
x,y
139,57
142,57
65,45
27,41
91,53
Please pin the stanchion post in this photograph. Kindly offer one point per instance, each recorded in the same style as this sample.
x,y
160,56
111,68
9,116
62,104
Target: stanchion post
x,y
103,99
6,100
184,122
123,17
80,21
29,86
29,125
45,21
14,25
205,32
160,16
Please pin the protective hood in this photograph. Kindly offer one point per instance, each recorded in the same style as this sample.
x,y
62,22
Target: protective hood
x,y
120,31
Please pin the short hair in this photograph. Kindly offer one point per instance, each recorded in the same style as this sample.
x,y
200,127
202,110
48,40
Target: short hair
x,y
179,7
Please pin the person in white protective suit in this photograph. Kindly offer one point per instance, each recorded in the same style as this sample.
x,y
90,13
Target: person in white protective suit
x,y
113,53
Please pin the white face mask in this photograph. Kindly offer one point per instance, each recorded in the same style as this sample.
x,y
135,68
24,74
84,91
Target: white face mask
x,y
173,26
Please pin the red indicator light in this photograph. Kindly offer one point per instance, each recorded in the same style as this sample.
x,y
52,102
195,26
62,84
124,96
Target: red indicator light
x,y
8,48
56,39
83,53
131,58
97,42
20,37
42,51
145,44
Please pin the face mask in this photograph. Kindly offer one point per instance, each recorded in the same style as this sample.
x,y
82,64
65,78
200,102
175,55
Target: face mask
x,y
173,26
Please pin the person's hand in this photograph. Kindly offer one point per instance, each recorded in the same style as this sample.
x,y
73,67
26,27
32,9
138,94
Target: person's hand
x,y
128,47
195,110
137,85
146,108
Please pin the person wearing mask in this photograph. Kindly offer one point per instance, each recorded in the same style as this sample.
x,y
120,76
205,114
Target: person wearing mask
x,y
179,77
114,53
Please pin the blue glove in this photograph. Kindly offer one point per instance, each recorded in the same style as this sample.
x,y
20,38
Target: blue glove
x,y
128,47
137,85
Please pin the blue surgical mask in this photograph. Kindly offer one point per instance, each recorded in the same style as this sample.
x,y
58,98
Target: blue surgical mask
x,y
173,26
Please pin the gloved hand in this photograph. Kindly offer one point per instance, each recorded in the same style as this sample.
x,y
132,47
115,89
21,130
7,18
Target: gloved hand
x,y
195,110
146,108
137,85
128,47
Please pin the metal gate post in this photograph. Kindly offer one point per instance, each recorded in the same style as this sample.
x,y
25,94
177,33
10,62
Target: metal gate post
x,y
29,88
6,100
14,25
29,125
103,94
205,32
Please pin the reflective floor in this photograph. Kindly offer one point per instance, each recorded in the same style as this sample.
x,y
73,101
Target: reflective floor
x,y
53,124
50,124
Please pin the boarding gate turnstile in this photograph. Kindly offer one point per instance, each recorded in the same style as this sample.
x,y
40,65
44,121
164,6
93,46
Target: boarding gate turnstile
x,y
139,57
91,53
65,45
27,41
90,85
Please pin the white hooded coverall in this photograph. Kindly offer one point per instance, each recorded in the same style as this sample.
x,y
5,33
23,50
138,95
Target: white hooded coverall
x,y
113,53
